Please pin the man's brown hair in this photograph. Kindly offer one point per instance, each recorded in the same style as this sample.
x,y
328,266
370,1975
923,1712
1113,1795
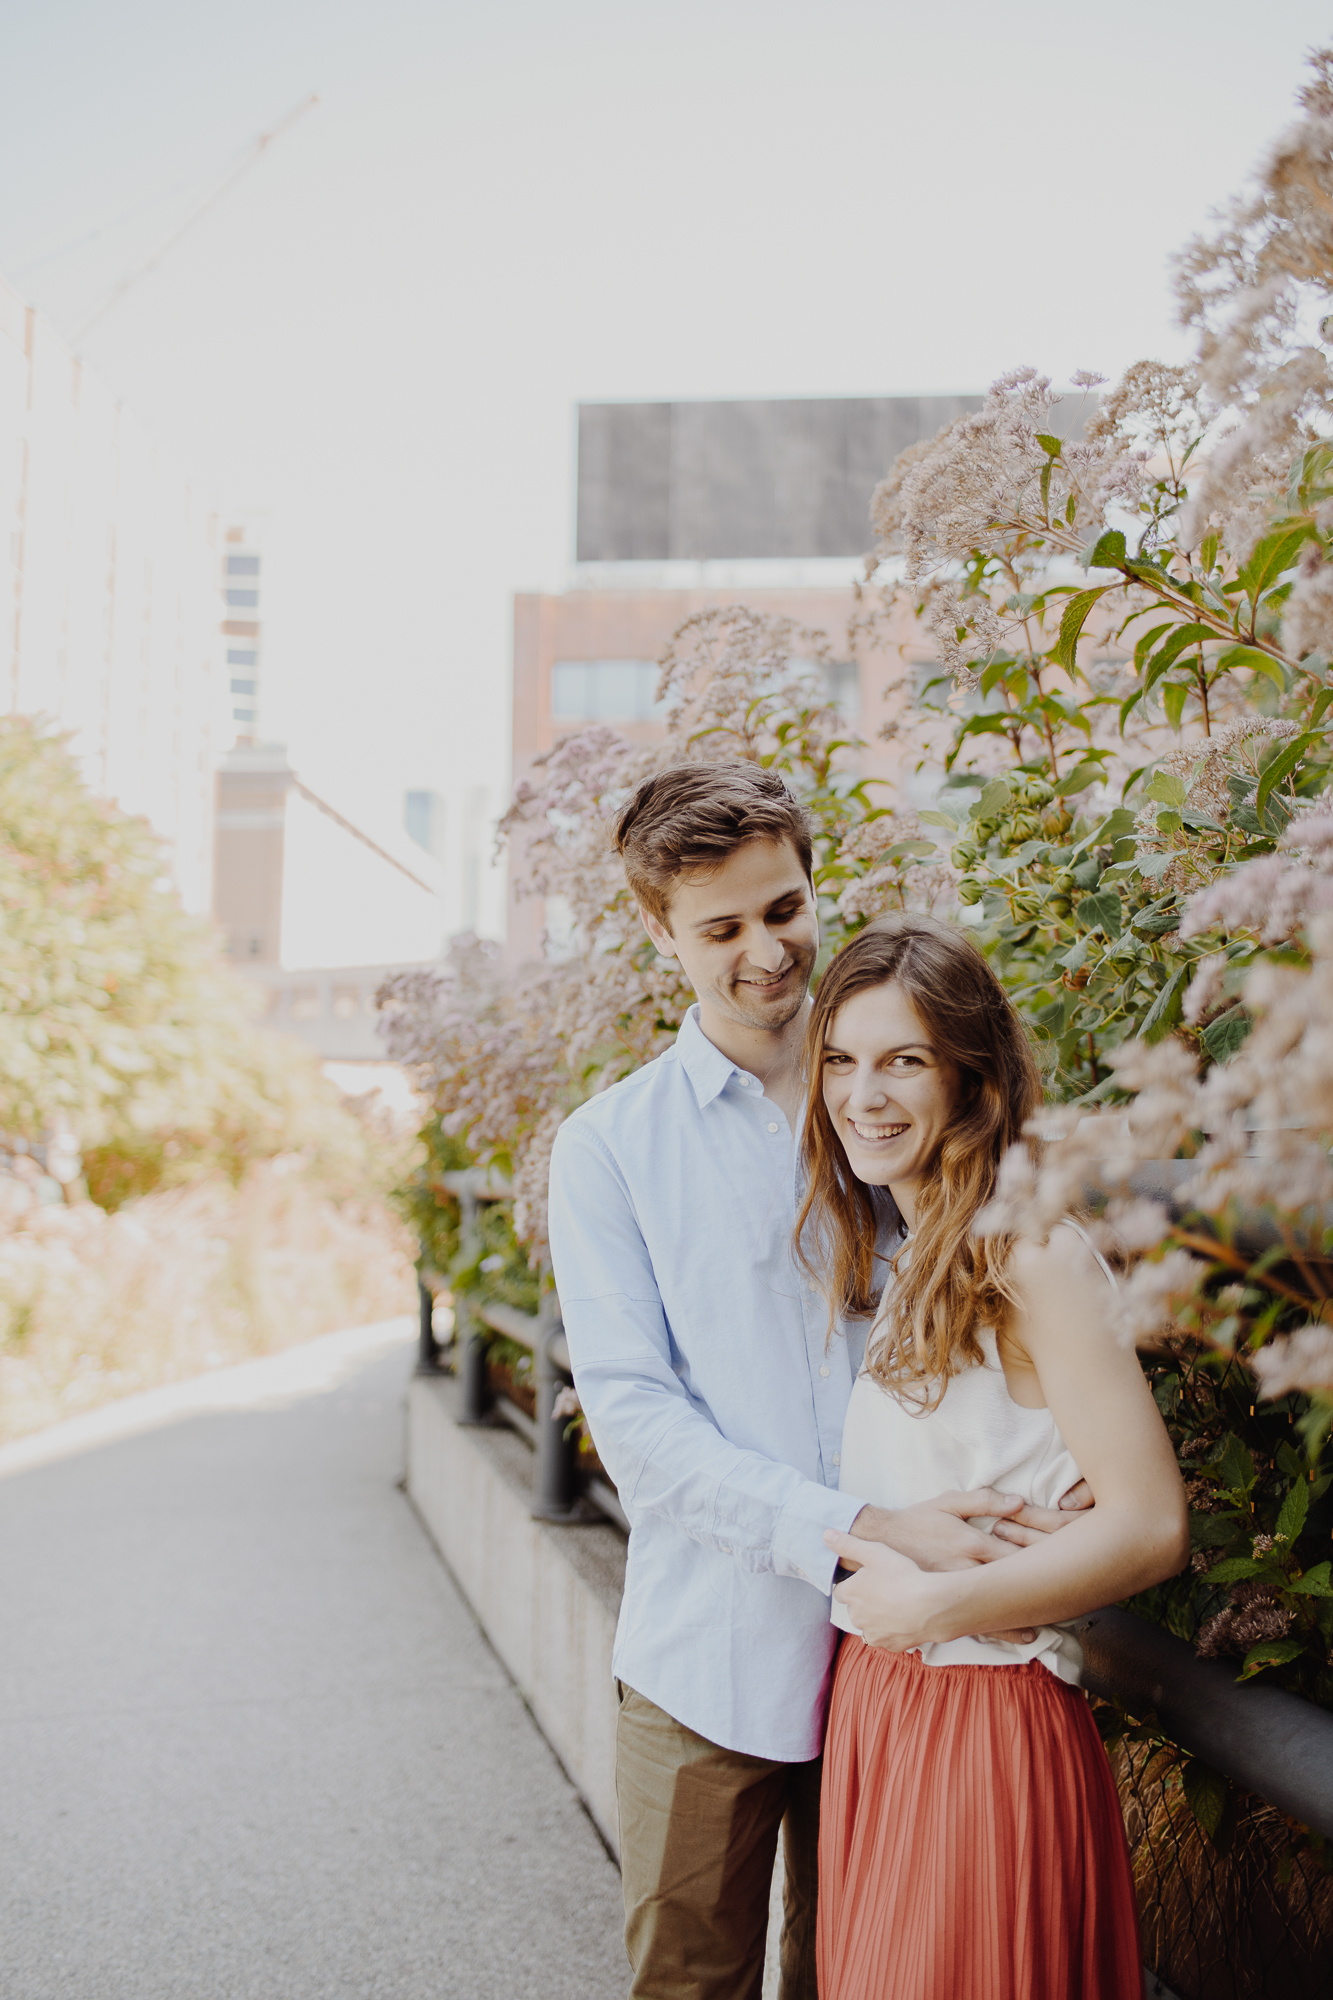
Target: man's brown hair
x,y
694,816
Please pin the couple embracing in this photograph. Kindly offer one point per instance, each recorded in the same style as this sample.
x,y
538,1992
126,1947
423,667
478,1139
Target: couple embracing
x,y
798,1363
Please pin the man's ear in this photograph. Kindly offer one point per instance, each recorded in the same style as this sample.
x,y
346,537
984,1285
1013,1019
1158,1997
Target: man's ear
x,y
662,939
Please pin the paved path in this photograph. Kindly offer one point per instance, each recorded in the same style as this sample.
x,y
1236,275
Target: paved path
x,y
252,1743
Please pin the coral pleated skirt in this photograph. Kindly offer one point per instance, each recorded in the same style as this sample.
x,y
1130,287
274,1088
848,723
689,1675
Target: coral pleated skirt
x,y
970,1839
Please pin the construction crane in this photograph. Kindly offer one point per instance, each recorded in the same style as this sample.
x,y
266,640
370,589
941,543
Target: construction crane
x,y
251,157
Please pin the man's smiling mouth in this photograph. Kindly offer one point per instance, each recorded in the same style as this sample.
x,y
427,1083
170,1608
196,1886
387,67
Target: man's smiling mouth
x,y
872,1135
774,979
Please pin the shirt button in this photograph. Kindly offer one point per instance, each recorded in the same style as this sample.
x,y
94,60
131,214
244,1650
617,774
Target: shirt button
x,y
744,1082
837,1458
772,1128
824,1373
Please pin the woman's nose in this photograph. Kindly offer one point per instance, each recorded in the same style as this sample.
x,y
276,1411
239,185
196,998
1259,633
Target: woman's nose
x,y
867,1094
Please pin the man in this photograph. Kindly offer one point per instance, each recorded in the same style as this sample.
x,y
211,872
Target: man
x,y
715,1392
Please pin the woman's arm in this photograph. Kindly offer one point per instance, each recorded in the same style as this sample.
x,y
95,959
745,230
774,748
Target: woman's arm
x,y
1136,1535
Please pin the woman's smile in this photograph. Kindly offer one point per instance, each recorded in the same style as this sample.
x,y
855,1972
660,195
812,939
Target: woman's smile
x,y
876,1135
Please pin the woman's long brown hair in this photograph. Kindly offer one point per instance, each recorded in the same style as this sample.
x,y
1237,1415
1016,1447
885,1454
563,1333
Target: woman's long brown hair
x,y
954,1283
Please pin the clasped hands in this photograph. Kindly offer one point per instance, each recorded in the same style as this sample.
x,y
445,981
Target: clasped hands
x,y
896,1552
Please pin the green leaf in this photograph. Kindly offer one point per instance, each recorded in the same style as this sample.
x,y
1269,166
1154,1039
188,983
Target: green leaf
x,y
1173,703
1284,763
1235,1466
1169,822
1112,828
1049,444
1145,645
1250,656
1128,705
1236,1569
1291,1519
993,673
1071,625
1315,1583
1276,552
1206,1793
1166,789
1158,918
1108,551
993,800
1208,552
1100,911
1224,1036
1170,650
1164,1013
1078,780
1270,1653
939,819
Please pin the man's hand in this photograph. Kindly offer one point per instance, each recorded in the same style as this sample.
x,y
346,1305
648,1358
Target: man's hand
x,y
935,1534
1029,1524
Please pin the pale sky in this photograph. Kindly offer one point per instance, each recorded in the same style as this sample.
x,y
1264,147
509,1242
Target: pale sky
x,y
496,211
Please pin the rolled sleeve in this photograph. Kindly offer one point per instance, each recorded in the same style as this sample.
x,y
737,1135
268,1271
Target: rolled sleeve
x,y
799,1548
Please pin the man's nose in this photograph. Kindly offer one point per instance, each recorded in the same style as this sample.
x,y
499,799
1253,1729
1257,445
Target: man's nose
x,y
764,950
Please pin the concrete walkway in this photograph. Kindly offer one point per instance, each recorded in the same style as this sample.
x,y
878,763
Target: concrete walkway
x,y
252,1743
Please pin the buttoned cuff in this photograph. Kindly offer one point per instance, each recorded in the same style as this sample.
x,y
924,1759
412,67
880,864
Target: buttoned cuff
x,y
799,1548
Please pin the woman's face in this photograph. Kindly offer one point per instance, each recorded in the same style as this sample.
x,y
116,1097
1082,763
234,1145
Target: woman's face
x,y
889,1095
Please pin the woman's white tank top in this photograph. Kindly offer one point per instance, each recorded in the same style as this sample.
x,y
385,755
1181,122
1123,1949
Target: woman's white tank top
x,y
976,1435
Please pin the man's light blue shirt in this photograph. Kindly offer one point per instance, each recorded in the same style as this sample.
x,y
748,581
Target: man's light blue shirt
x,y
713,1393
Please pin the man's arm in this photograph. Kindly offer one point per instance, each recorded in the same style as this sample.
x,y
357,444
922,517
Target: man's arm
x,y
665,1455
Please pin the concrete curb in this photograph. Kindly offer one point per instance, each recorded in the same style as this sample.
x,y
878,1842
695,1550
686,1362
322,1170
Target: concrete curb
x,y
547,1597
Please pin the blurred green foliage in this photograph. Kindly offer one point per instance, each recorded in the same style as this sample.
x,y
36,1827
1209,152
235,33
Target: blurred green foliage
x,y
118,1018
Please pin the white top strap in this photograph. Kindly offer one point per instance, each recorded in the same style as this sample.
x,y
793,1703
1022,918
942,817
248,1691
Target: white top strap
x,y
1068,1222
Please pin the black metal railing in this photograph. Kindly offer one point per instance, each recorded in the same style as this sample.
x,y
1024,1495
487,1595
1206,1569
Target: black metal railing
x,y
561,1490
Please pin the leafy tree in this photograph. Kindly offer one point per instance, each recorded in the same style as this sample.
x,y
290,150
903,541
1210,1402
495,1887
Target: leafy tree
x,y
118,1020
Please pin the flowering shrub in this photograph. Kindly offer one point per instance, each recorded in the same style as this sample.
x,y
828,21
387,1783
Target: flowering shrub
x,y
96,1305
1131,606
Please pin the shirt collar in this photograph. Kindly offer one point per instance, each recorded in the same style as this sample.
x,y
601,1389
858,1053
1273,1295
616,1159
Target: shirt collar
x,y
704,1064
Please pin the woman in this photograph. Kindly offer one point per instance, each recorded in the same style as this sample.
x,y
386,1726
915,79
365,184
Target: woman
x,y
971,1846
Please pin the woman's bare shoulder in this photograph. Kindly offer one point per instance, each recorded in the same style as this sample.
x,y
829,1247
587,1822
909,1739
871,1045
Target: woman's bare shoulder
x,y
1065,1258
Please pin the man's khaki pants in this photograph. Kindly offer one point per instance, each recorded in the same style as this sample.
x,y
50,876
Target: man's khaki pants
x,y
698,1838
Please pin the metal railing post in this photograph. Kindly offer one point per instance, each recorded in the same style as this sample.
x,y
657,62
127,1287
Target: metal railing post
x,y
475,1398
556,1497
428,1347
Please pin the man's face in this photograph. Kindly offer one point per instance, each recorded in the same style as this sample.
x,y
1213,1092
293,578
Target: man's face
x,y
746,934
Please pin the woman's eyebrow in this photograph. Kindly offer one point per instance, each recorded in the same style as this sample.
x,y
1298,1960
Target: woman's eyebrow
x,y
900,1049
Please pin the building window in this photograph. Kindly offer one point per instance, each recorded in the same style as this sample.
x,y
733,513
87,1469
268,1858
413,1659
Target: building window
x,y
346,1002
242,656
843,681
243,598
242,565
605,690
243,715
242,687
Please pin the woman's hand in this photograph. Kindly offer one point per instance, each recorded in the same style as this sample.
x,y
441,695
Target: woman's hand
x,y
889,1598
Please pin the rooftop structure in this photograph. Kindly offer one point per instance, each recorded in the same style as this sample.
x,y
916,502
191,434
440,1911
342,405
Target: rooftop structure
x,y
701,482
